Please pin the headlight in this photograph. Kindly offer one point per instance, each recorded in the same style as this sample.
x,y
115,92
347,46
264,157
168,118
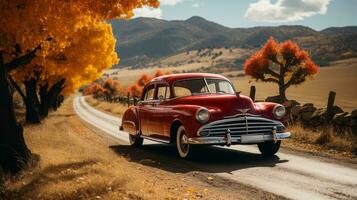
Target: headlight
x,y
202,115
279,111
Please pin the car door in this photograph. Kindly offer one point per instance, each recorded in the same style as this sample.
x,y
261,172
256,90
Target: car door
x,y
160,112
145,107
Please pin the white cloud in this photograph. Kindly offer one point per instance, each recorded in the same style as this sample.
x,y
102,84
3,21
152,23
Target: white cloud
x,y
196,5
285,10
148,12
154,12
170,2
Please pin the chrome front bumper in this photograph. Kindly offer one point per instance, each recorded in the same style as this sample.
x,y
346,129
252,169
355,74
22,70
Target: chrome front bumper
x,y
241,139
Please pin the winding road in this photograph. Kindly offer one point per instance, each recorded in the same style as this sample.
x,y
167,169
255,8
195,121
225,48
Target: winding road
x,y
290,175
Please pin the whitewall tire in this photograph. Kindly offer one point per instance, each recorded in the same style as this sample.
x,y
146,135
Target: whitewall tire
x,y
183,148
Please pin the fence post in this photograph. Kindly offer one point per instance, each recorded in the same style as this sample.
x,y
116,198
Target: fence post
x,y
128,99
330,103
252,92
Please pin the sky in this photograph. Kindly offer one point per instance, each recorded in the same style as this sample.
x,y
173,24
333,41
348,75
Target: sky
x,y
317,14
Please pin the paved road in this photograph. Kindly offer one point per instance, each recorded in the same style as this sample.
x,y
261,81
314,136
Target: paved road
x,y
290,175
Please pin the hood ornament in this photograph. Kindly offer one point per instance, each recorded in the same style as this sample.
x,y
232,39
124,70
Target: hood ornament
x,y
244,111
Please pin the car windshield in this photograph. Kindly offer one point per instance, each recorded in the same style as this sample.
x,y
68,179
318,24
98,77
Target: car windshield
x,y
202,86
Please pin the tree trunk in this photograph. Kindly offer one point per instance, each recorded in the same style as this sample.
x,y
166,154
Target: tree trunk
x,y
44,101
32,102
13,150
48,98
282,88
282,93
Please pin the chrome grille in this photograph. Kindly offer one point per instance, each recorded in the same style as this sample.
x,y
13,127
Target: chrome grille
x,y
244,124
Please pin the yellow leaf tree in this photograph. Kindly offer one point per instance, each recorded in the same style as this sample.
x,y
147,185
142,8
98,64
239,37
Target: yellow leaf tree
x,y
39,38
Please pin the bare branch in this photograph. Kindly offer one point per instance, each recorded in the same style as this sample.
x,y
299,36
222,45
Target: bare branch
x,y
270,80
23,60
17,87
271,72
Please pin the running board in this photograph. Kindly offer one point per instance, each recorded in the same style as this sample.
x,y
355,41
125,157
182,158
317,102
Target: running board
x,y
155,139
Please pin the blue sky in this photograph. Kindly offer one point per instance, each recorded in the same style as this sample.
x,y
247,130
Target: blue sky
x,y
317,14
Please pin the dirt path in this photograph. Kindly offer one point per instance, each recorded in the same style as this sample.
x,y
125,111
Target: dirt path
x,y
290,175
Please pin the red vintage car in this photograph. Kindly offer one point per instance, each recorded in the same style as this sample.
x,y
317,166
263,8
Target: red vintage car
x,y
203,109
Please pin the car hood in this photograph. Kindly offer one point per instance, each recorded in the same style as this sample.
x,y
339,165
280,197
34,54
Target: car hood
x,y
221,104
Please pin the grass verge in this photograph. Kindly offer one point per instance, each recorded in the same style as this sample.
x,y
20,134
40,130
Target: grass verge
x,y
116,109
322,140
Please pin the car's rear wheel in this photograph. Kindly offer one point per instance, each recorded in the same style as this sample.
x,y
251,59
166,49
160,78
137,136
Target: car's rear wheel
x,y
269,148
135,140
182,146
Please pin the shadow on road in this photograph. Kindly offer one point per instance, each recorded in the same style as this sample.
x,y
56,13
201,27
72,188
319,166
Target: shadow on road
x,y
206,158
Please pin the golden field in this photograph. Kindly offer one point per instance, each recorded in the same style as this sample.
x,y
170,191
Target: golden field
x,y
340,76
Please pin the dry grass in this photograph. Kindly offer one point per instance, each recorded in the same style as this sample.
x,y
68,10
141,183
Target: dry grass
x,y
116,109
324,139
76,164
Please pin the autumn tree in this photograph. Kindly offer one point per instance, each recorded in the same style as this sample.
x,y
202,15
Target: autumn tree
x,y
282,63
94,89
62,70
112,88
45,30
137,88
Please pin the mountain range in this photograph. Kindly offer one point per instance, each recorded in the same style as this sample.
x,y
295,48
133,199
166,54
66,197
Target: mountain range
x,y
146,39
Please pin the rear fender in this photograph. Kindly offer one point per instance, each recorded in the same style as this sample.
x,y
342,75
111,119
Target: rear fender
x,y
130,121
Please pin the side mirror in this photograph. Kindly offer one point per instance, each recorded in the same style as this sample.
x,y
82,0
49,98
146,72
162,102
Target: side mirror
x,y
238,93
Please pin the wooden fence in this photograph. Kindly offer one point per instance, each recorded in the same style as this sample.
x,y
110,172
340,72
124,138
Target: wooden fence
x,y
128,100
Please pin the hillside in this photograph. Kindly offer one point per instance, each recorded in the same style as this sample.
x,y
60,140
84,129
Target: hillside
x,y
144,40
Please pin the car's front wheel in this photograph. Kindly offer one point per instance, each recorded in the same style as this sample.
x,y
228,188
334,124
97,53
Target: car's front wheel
x,y
135,140
269,148
182,146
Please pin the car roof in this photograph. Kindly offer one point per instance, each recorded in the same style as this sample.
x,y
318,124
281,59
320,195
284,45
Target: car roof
x,y
170,78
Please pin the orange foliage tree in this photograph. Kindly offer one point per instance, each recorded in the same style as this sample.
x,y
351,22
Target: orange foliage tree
x,y
137,88
36,38
112,88
94,89
282,63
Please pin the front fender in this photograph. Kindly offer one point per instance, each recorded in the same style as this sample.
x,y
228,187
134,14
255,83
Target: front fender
x,y
186,115
130,121
266,110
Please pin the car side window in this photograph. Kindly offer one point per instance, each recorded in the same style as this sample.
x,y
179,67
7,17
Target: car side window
x,y
212,87
149,95
182,91
163,92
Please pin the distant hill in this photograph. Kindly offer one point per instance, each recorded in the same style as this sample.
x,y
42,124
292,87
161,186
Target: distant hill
x,y
143,40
